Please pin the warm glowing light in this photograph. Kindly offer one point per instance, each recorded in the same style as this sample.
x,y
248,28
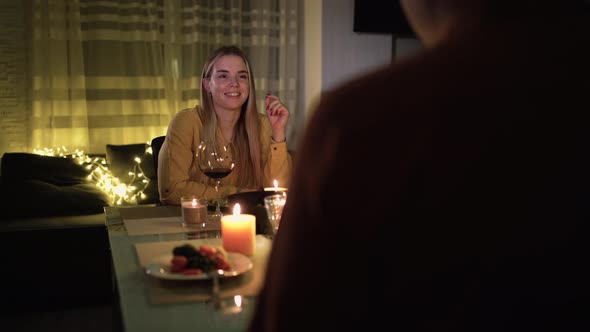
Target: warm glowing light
x,y
238,232
120,189
237,209
119,192
238,300
275,187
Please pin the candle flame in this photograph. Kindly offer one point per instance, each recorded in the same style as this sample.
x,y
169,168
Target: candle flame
x,y
238,300
194,202
276,183
237,209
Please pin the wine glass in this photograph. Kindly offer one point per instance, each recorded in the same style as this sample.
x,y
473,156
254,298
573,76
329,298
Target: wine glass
x,y
216,161
233,305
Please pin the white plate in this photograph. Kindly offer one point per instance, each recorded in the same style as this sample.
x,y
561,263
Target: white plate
x,y
160,268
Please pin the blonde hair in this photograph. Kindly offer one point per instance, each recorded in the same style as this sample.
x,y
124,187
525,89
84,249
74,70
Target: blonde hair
x,y
246,138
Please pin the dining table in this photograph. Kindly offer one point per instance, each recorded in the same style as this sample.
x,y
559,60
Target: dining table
x,y
147,300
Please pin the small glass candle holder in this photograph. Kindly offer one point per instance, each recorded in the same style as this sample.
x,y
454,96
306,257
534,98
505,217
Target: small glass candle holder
x,y
194,212
274,205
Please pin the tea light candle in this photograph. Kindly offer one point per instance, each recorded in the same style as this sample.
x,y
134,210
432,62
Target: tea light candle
x,y
276,187
193,212
238,232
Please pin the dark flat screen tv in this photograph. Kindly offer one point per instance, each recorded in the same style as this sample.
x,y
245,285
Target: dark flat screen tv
x,y
381,17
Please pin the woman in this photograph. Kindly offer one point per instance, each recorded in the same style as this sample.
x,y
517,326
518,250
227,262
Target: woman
x,y
227,113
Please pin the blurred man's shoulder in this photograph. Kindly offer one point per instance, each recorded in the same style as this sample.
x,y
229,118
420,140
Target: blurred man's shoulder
x,y
378,92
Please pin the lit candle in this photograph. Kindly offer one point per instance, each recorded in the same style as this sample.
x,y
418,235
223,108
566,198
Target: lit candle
x,y
238,232
276,187
193,211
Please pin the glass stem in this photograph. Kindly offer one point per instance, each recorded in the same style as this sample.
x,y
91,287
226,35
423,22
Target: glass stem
x,y
217,208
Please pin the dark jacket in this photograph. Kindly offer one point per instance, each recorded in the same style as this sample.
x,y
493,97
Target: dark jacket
x,y
447,192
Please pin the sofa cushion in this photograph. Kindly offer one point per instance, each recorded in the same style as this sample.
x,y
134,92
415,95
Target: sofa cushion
x,y
20,166
121,161
35,198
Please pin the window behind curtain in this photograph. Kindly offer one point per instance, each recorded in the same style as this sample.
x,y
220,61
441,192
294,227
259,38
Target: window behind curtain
x,y
114,72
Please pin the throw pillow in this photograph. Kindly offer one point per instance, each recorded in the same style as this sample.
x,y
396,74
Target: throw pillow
x,y
34,198
18,166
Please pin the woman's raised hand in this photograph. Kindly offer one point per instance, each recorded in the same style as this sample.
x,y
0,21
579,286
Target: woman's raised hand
x,y
278,115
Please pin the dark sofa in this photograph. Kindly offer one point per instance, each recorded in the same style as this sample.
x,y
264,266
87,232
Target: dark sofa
x,y
53,240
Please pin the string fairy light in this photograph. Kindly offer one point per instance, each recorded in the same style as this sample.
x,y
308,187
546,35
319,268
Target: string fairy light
x,y
118,191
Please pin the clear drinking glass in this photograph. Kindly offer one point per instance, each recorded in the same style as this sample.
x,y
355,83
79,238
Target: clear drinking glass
x,y
274,205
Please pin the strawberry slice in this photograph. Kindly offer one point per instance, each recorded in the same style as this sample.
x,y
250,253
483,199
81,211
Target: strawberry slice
x,y
222,263
178,263
207,251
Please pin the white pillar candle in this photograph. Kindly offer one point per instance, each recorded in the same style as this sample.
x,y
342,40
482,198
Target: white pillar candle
x,y
194,212
238,232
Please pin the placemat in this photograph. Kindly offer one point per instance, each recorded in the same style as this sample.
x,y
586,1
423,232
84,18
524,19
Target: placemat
x,y
149,211
169,291
145,220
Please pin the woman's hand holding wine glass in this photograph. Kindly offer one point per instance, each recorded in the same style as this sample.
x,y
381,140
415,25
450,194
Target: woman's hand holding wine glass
x,y
216,161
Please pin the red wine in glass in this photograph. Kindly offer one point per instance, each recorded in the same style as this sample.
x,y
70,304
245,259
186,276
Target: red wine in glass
x,y
218,172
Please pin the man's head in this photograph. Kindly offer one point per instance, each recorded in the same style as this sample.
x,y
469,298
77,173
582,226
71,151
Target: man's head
x,y
433,19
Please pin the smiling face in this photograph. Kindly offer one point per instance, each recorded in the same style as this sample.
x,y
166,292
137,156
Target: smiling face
x,y
228,83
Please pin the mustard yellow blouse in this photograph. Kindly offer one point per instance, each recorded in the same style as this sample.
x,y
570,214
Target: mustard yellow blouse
x,y
178,169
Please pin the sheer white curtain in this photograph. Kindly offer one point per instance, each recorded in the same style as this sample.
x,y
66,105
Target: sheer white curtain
x,y
114,72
